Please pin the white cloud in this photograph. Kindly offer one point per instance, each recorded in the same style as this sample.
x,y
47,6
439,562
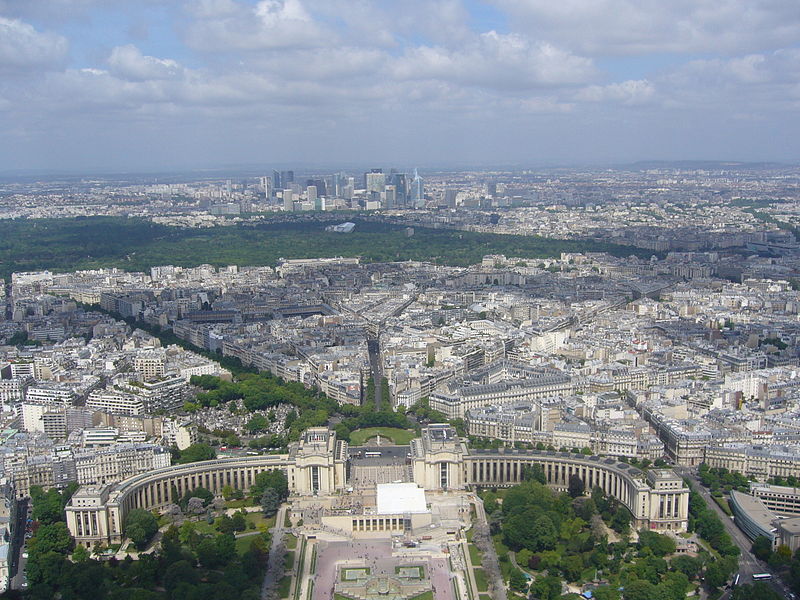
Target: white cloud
x,y
213,9
631,92
494,60
227,25
335,65
421,69
53,12
745,87
443,22
128,62
23,49
545,104
273,13
753,71
615,27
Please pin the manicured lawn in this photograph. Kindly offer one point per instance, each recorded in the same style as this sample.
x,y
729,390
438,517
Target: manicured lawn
x,y
301,560
475,555
400,437
243,543
289,564
424,596
239,503
481,581
723,504
203,527
261,522
164,520
506,568
284,585
291,541
502,550
499,546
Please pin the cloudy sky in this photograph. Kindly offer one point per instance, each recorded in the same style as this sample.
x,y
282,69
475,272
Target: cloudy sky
x,y
165,84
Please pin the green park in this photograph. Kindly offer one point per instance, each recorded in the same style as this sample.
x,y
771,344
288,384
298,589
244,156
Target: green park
x,y
135,244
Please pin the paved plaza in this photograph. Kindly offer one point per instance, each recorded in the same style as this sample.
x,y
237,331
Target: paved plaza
x,y
374,564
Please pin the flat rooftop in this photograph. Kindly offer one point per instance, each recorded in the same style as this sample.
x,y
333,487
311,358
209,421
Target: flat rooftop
x,y
755,509
400,498
791,525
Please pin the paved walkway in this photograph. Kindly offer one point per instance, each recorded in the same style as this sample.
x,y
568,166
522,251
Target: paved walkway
x,y
328,554
469,572
304,576
483,539
277,554
379,557
440,579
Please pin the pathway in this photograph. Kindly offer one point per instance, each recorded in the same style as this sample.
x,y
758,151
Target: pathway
x,y
277,553
491,565
304,577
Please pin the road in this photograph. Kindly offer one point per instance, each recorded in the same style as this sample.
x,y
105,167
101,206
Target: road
x,y
373,347
9,305
748,564
17,567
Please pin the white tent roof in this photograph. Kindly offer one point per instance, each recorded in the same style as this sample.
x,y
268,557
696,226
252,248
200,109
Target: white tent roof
x,y
399,498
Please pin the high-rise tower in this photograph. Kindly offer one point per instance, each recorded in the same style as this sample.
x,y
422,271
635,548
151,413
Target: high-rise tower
x,y
417,193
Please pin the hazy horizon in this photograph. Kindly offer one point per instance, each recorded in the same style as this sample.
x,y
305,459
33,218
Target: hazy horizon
x,y
300,169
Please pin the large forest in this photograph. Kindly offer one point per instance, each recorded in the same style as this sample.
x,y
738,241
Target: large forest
x,y
137,244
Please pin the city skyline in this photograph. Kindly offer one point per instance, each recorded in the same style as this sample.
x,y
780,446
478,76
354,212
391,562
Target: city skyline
x,y
338,382
115,86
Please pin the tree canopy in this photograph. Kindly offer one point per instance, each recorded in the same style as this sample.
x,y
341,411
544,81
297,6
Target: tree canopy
x,y
657,543
138,244
195,453
275,480
140,526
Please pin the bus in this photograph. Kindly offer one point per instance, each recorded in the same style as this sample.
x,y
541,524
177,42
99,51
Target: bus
x,y
735,580
762,576
369,454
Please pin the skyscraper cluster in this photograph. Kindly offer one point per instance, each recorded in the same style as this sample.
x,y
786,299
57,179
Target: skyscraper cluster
x,y
375,190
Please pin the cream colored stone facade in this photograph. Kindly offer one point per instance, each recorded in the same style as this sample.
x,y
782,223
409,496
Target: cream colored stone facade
x,y
439,460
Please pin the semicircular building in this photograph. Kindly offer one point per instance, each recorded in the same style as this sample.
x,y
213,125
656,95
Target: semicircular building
x,y
321,465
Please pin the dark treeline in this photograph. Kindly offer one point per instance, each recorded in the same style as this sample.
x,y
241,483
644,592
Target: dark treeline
x,y
136,244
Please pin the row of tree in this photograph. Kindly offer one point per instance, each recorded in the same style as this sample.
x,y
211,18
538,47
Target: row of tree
x,y
51,539
719,479
790,481
312,409
708,526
